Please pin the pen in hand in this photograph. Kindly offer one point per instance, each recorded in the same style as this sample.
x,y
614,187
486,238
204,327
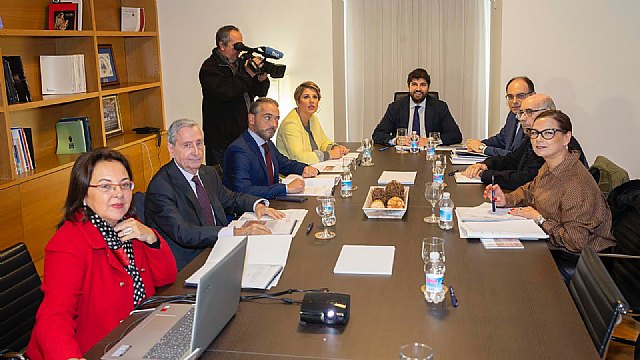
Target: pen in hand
x,y
309,228
453,172
454,299
493,194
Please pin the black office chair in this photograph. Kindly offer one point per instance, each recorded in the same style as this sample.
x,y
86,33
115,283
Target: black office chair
x,y
20,297
218,169
138,204
400,94
597,299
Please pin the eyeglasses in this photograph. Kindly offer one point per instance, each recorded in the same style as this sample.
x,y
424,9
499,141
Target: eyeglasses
x,y
547,134
520,96
126,186
528,112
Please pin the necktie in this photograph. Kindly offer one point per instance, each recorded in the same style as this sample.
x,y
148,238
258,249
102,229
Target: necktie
x,y
416,120
516,137
203,199
267,159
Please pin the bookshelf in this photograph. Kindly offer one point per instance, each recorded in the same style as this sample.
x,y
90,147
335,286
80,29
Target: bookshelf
x,y
34,199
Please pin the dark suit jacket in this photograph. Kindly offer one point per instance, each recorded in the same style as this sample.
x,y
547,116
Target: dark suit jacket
x,y
520,166
245,170
172,208
506,140
437,118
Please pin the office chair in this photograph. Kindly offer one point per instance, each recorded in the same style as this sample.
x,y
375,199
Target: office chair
x,y
138,204
20,297
597,299
218,169
400,94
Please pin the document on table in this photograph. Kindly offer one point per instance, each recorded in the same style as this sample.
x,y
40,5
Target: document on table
x,y
352,155
461,179
296,215
261,250
450,147
492,244
403,177
525,229
464,160
329,166
483,212
320,185
365,260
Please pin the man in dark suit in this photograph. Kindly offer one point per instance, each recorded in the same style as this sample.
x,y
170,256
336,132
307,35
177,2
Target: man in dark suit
x,y
511,134
522,164
186,201
418,112
252,163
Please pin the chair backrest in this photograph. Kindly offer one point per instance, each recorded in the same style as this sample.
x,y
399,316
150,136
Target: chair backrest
x,y
611,175
138,204
20,297
400,94
597,299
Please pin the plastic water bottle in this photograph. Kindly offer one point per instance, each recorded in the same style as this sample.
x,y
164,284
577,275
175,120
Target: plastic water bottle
x,y
431,149
414,143
345,184
434,273
438,173
446,212
367,158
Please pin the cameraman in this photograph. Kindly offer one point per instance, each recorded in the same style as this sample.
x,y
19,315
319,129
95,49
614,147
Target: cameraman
x,y
228,88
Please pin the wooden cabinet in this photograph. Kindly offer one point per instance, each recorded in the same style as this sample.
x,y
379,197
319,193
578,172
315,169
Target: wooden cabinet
x,y
32,202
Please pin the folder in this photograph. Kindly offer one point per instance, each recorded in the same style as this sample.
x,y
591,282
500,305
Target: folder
x,y
71,139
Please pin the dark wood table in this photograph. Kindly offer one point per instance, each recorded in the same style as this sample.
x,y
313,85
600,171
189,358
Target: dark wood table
x,y
512,303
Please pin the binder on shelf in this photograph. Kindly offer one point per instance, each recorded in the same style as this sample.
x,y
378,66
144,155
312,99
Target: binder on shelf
x,y
22,149
132,19
63,16
78,14
16,81
85,126
70,135
63,74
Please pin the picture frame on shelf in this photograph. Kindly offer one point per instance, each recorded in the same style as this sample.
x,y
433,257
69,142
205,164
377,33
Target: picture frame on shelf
x,y
107,65
111,116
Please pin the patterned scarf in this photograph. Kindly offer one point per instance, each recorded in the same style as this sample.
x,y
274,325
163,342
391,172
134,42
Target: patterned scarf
x,y
125,257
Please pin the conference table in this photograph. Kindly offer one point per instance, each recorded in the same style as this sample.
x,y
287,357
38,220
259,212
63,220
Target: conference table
x,y
512,303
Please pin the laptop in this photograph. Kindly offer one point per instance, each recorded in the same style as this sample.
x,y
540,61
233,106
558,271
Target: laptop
x,y
184,331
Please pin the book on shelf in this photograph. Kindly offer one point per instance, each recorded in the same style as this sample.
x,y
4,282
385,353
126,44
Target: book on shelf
x,y
15,79
23,155
70,137
63,74
78,14
132,19
63,16
86,126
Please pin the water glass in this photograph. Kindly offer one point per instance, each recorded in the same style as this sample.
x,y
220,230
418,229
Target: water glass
x,y
401,141
432,193
367,147
435,136
416,351
326,210
432,244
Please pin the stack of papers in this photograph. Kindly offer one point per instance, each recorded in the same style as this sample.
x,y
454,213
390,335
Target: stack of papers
x,y
461,179
287,226
462,157
492,244
320,185
365,260
481,222
403,177
263,264
329,166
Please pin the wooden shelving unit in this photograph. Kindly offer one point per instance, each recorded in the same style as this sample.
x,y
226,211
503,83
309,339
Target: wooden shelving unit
x,y
137,58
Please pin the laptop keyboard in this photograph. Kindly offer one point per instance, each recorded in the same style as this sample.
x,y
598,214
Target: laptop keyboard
x,y
175,343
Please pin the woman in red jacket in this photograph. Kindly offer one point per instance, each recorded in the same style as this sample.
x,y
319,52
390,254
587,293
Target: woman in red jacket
x,y
99,264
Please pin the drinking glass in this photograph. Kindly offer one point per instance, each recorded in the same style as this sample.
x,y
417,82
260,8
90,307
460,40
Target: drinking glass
x,y
416,351
435,136
351,164
401,141
432,193
367,150
326,210
432,244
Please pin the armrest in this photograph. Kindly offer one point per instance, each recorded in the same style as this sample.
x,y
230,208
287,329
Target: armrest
x,y
620,256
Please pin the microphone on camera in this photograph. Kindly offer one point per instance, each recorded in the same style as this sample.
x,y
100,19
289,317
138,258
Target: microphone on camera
x,y
271,52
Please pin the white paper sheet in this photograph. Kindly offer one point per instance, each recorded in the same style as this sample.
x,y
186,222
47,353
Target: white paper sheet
x,y
483,212
365,260
404,177
292,214
461,179
520,229
320,185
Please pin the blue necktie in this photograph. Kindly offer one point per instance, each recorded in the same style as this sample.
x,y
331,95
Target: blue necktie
x,y
416,120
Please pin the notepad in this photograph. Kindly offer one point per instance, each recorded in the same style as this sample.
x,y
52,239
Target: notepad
x,y
403,177
365,260
484,212
521,229
461,179
321,185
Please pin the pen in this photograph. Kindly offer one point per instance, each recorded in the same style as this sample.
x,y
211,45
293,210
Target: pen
x,y
309,228
383,148
493,194
454,299
453,172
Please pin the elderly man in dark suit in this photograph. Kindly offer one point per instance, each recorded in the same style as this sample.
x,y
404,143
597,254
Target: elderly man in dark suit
x,y
186,201
418,112
252,163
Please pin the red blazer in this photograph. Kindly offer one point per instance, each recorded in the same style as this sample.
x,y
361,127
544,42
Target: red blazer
x,y
87,292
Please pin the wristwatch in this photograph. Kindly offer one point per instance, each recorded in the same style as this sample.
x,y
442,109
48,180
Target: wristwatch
x,y
540,220
482,147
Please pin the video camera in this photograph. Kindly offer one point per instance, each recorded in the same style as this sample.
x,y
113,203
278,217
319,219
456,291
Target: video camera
x,y
276,71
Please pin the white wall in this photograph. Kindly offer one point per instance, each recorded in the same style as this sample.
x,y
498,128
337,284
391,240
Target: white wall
x,y
299,28
584,54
